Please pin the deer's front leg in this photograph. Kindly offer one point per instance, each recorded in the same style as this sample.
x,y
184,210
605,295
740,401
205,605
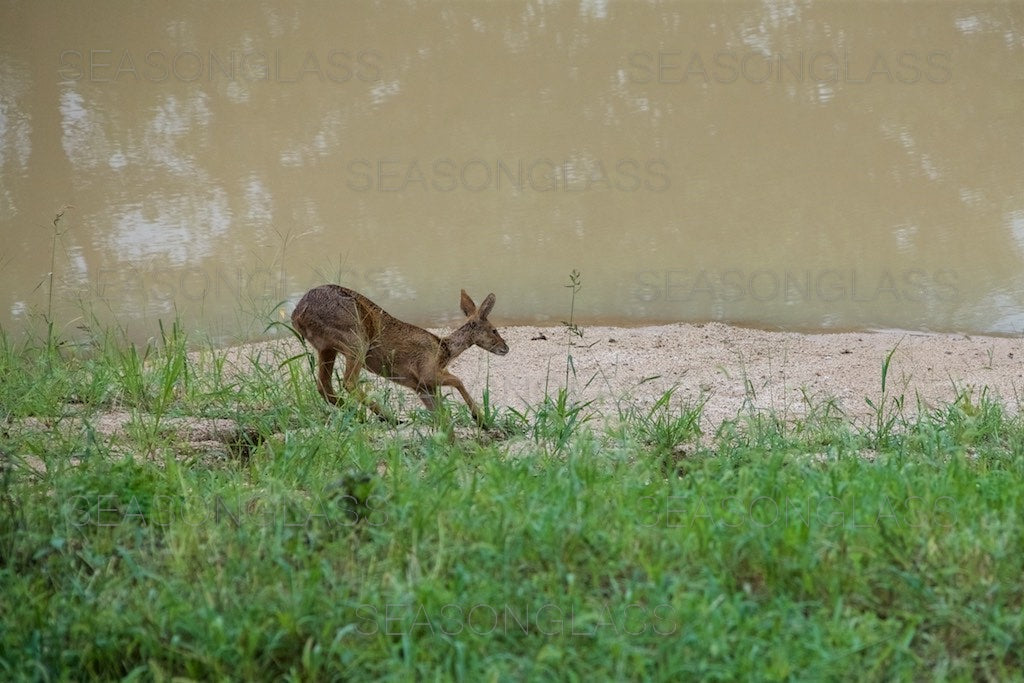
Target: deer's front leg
x,y
427,395
451,380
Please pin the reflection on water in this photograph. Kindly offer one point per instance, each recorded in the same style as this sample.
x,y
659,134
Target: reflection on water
x,y
804,166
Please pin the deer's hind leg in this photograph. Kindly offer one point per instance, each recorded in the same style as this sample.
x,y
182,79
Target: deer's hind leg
x,y
325,370
353,364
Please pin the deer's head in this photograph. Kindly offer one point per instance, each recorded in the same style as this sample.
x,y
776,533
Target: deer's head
x,y
481,331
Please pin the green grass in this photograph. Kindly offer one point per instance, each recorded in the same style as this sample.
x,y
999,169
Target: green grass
x,y
562,546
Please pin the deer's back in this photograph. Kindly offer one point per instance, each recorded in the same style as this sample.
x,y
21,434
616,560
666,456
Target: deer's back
x,y
335,307
332,315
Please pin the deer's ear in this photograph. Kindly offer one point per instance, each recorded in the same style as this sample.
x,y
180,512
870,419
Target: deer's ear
x,y
468,307
486,306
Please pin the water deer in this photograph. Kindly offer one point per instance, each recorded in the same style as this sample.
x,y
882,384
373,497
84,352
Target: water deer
x,y
335,319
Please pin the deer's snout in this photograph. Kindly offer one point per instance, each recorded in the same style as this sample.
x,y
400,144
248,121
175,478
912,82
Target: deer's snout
x,y
497,345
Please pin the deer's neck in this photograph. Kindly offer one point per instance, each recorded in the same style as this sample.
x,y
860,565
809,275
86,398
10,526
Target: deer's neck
x,y
453,345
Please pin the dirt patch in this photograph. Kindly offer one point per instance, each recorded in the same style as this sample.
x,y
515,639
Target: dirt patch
x,y
215,438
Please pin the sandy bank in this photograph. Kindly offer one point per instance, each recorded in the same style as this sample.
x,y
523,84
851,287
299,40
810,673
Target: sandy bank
x,y
738,369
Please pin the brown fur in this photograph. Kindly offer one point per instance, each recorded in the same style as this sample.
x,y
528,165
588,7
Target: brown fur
x,y
334,319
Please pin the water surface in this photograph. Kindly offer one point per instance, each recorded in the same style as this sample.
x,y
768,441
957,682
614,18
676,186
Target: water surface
x,y
782,164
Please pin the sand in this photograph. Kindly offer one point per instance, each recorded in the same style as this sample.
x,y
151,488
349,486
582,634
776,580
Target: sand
x,y
735,369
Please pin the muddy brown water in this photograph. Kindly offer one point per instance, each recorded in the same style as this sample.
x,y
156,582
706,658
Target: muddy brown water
x,y
790,165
